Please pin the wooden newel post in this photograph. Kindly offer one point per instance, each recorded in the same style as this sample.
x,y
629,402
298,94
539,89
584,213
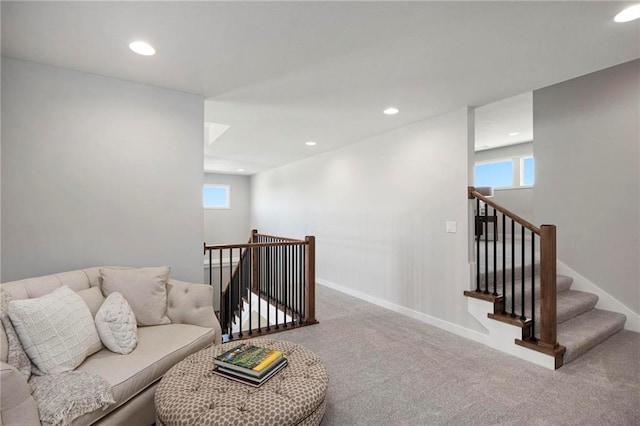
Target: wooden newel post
x,y
548,320
310,280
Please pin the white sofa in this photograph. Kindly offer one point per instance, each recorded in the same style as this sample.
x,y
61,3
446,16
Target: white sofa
x,y
133,377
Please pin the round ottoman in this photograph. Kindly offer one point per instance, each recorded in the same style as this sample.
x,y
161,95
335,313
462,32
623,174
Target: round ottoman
x,y
190,394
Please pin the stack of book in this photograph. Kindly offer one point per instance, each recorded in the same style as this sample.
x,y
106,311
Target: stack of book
x,y
248,364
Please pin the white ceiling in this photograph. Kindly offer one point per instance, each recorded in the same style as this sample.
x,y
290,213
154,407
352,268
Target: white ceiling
x,y
505,122
283,73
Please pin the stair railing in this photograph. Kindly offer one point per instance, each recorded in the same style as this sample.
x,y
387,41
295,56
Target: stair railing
x,y
272,276
508,309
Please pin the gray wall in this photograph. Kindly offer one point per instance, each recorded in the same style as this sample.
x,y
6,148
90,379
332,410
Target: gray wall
x,y
378,209
98,171
223,226
0,171
588,175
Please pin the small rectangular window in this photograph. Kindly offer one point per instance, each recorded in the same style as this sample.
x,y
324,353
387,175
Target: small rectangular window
x,y
498,174
216,197
526,171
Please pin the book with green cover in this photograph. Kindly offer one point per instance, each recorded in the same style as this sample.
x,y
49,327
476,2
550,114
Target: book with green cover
x,y
246,379
249,359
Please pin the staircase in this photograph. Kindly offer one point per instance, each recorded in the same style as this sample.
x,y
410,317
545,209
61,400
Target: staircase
x,y
528,309
580,325
264,286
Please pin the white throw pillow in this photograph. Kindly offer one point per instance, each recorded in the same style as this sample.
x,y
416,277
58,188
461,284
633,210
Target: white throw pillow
x,y
116,324
145,289
56,330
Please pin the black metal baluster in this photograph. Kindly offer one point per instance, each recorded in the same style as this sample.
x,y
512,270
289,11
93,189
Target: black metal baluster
x,y
268,286
495,256
239,303
210,267
297,287
477,232
533,287
304,283
486,251
513,268
259,286
249,289
286,284
277,286
504,266
522,283
221,305
230,293
300,280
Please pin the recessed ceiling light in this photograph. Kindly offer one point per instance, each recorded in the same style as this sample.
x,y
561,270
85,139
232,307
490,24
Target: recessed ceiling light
x,y
310,143
514,133
391,111
142,48
241,170
629,14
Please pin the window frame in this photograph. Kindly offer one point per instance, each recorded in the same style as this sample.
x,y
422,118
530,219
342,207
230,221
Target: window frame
x,y
226,206
522,159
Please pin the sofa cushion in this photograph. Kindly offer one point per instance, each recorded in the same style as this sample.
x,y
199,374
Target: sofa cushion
x,y
17,406
93,298
56,330
159,348
116,324
145,289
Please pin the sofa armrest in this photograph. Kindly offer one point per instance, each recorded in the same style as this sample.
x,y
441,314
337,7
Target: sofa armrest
x,y
17,406
189,303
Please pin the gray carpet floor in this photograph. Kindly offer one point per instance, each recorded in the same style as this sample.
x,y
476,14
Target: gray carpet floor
x,y
387,369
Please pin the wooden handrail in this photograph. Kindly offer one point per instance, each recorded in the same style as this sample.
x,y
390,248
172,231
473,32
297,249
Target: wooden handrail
x,y
254,245
276,237
475,194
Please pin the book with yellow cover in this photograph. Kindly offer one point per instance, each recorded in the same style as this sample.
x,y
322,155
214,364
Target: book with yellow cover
x,y
249,380
249,359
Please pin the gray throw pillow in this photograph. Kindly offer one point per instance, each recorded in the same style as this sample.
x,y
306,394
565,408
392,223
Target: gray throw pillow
x,y
145,289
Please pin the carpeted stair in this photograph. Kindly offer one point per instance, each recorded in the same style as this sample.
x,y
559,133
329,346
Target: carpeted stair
x,y
580,325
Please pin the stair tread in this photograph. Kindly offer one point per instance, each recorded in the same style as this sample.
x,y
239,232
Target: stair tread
x,y
569,304
563,283
581,333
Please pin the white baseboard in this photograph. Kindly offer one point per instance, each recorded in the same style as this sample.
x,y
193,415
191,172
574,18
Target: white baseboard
x,y
420,316
605,300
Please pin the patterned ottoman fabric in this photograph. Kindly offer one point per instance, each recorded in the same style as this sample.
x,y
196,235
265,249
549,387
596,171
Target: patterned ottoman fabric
x,y
190,394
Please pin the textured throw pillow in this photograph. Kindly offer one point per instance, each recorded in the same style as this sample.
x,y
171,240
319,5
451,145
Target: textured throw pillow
x,y
56,330
145,289
116,324
16,355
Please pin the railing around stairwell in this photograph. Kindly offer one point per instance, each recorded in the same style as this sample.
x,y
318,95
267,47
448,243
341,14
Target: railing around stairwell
x,y
512,304
271,277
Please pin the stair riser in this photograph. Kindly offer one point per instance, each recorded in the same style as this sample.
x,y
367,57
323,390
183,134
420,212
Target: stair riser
x,y
569,305
562,284
518,273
